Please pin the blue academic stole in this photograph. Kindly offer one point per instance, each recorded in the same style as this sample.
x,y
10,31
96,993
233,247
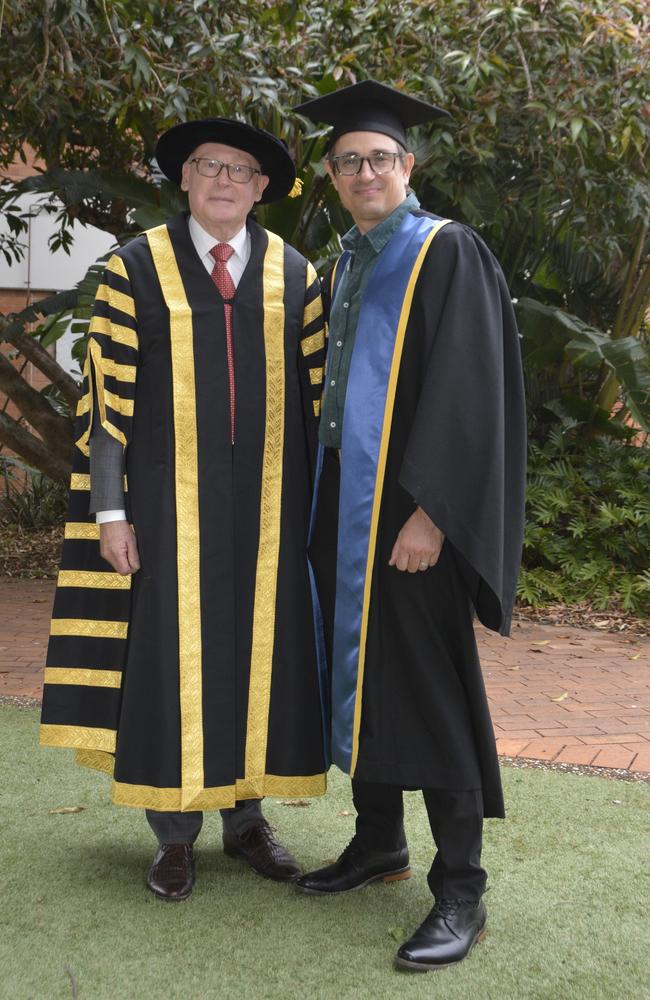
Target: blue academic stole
x,y
369,402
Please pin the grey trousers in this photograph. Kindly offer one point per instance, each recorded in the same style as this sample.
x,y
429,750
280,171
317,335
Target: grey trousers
x,y
184,827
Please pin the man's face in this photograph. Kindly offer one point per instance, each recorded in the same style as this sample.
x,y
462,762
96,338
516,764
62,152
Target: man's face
x,y
370,197
217,203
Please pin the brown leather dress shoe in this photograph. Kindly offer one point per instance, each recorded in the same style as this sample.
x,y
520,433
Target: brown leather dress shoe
x,y
263,852
171,875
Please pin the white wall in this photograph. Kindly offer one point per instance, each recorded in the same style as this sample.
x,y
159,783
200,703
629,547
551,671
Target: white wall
x,y
42,270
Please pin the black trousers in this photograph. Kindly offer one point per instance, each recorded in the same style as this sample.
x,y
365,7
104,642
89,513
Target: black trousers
x,y
456,820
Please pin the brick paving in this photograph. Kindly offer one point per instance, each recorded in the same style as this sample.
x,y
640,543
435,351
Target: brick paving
x,y
557,693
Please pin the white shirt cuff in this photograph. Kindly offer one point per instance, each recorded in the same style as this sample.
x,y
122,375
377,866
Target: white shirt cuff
x,y
103,516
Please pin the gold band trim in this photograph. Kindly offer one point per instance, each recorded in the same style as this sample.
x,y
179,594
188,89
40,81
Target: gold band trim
x,y
259,688
96,580
120,334
98,760
316,405
78,737
314,343
81,530
315,376
187,513
223,797
89,627
312,311
79,481
116,300
117,266
379,481
83,676
118,403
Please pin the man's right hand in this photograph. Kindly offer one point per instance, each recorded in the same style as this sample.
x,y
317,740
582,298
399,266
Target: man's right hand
x,y
117,545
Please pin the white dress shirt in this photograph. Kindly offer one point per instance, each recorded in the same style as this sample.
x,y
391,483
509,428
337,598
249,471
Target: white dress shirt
x,y
203,243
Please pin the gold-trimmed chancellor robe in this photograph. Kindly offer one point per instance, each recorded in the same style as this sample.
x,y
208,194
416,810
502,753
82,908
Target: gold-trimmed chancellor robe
x,y
195,682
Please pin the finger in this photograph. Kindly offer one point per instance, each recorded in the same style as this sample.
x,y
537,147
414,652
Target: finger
x,y
414,562
402,560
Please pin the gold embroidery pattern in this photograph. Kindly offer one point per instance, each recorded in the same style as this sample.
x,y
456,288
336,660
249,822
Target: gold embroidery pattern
x,y
316,405
83,676
118,333
223,797
89,627
98,760
116,300
314,310
259,693
78,737
314,343
187,513
81,530
79,481
96,580
379,481
315,376
117,266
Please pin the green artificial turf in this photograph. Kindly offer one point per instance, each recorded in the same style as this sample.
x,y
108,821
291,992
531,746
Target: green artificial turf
x,y
568,898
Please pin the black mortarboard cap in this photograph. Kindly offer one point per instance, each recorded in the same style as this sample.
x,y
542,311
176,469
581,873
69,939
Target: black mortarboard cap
x,y
370,106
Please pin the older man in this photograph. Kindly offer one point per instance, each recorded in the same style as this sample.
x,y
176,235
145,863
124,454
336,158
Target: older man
x,y
188,671
421,498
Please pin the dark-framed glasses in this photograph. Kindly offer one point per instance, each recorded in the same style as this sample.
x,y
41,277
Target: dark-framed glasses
x,y
240,173
381,162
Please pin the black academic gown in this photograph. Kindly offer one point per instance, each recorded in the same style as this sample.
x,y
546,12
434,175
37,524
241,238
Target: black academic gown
x,y
198,686
457,449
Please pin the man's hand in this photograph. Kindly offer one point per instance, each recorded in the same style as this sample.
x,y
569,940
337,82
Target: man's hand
x,y
117,545
418,544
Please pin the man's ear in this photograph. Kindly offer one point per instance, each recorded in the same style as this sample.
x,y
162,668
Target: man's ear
x,y
262,184
185,172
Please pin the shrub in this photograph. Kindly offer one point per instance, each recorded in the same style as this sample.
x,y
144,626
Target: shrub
x,y
588,524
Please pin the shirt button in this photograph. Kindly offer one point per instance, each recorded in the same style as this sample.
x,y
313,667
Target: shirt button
x,y
333,382
332,423
339,343
346,305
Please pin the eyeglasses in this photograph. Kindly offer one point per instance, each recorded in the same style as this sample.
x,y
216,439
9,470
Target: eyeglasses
x,y
380,162
240,173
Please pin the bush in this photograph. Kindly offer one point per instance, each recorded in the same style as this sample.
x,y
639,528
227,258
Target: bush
x,y
31,499
588,524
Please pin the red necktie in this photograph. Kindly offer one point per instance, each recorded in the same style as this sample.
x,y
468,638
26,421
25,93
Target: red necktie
x,y
222,279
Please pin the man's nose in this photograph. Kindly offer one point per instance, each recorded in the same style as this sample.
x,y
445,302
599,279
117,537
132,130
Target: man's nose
x,y
366,171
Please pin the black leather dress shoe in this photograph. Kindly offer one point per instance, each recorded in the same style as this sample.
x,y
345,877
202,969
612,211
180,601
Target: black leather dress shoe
x,y
171,875
357,867
263,852
447,936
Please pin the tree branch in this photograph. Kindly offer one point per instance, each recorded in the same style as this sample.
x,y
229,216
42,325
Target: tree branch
x,y
55,430
33,450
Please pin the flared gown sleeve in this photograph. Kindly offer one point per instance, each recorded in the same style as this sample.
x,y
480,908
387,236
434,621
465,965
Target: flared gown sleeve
x,y
465,460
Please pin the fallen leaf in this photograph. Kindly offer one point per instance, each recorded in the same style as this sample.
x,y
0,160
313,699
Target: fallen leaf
x,y
565,694
542,642
398,934
513,668
66,809
634,657
296,802
346,812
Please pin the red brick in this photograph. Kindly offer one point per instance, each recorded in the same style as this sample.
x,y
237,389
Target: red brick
x,y
614,757
577,755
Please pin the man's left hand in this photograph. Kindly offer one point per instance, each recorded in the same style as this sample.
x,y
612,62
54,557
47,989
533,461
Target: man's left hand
x,y
418,544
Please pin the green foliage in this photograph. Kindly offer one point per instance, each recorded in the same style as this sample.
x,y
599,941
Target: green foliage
x,y
31,500
588,524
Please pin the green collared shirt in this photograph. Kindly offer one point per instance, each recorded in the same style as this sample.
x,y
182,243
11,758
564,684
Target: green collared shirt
x,y
344,315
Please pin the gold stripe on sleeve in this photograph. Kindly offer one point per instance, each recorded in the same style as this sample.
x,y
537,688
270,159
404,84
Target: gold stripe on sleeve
x,y
123,373
116,300
379,481
78,737
312,344
315,376
116,265
259,694
81,530
83,676
120,334
316,405
96,580
79,481
118,403
312,311
89,628
187,514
